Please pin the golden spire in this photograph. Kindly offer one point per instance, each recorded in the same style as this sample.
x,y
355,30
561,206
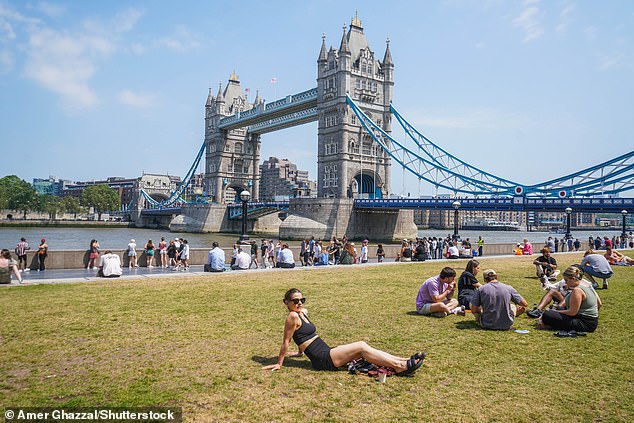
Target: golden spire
x,y
356,21
234,77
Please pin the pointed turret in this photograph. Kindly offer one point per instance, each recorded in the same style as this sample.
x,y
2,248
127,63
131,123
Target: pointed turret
x,y
344,42
356,21
387,58
258,100
219,96
322,52
210,99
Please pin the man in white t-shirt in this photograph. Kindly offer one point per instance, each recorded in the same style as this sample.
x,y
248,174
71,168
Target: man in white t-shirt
x,y
285,259
243,259
453,251
110,265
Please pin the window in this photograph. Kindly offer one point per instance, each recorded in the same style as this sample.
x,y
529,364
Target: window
x,y
353,119
238,147
358,84
366,148
330,176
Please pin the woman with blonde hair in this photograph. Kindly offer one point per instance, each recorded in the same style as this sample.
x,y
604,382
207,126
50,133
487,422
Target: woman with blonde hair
x,y
580,310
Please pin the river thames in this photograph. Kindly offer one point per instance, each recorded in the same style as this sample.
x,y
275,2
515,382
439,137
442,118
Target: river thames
x,y
118,238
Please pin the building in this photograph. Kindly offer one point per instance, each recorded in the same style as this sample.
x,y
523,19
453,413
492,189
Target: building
x,y
157,186
50,186
280,179
350,164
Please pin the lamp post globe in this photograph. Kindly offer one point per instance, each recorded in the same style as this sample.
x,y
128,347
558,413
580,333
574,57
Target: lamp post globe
x,y
624,233
456,206
245,196
568,213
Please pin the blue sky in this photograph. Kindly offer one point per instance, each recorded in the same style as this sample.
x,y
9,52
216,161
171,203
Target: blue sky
x,y
528,90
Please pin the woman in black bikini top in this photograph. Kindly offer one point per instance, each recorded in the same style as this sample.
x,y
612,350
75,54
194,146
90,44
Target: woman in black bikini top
x,y
322,357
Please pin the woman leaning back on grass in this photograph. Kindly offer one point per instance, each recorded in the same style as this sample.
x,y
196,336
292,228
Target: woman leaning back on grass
x,y
322,357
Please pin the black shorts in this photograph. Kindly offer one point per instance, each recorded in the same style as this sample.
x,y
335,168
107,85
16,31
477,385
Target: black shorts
x,y
319,354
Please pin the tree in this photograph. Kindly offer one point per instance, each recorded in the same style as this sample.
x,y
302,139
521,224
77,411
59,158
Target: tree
x,y
20,195
101,198
71,204
52,205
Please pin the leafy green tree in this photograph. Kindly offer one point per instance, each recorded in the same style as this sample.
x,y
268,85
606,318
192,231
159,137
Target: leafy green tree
x,y
71,204
101,198
20,195
52,205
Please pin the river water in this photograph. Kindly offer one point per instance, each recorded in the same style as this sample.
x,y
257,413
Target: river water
x,y
118,238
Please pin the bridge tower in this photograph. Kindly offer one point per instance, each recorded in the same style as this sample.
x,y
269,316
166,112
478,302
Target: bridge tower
x,y
349,161
232,157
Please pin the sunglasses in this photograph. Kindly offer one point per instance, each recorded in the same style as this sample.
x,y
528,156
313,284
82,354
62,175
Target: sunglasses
x,y
298,300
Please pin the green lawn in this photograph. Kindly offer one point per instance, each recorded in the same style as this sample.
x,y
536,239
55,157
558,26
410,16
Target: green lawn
x,y
200,342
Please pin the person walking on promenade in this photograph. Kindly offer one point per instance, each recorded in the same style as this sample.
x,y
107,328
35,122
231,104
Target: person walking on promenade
x,y
42,253
480,246
171,253
93,254
364,251
132,253
254,255
270,251
8,265
263,252
301,330
163,252
149,253
20,250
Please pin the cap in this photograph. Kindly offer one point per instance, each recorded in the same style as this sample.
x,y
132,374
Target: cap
x,y
132,240
489,273
365,240
43,240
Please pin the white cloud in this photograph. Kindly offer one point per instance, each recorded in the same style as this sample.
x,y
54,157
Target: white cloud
x,y
565,17
591,32
473,119
64,61
6,61
50,9
181,40
529,22
609,62
133,99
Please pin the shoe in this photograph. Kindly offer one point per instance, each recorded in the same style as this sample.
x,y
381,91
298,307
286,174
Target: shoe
x,y
595,285
605,285
27,269
413,364
535,313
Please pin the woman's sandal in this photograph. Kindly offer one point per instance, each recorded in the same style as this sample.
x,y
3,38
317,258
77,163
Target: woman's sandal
x,y
413,364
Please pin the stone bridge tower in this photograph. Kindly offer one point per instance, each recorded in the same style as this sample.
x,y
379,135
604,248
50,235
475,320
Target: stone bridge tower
x,y
232,157
350,164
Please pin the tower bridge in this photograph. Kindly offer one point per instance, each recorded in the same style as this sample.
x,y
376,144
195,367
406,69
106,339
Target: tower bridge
x,y
352,104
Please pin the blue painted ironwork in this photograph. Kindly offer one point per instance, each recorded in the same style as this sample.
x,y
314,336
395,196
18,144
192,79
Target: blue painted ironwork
x,y
256,209
167,211
610,177
587,205
291,110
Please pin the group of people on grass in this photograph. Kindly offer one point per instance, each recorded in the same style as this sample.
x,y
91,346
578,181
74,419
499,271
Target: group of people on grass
x,y
493,304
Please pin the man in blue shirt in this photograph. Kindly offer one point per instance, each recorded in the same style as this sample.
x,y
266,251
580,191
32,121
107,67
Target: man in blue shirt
x,y
215,259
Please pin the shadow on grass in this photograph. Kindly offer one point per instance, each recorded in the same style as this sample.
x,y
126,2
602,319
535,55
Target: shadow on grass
x,y
467,324
301,363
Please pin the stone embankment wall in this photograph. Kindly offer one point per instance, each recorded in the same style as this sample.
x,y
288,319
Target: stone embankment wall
x,y
77,259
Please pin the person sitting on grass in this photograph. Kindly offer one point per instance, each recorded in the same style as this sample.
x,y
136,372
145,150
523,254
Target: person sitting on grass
x,y
110,265
434,295
467,283
285,259
243,259
322,357
491,304
595,265
556,293
546,266
580,309
452,251
527,249
615,258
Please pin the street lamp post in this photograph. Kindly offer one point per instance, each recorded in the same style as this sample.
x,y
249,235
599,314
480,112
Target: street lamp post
x,y
624,214
245,196
456,206
568,213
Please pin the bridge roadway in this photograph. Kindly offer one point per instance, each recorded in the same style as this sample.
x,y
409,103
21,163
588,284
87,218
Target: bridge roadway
x,y
583,205
292,110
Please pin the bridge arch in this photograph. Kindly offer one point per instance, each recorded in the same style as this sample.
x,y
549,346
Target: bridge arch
x,y
365,184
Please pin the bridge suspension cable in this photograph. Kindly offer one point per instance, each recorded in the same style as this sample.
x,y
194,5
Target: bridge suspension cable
x,y
594,180
176,195
445,170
